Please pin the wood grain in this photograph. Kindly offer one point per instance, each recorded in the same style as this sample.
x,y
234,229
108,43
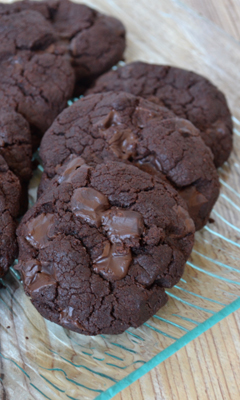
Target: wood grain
x,y
224,13
208,368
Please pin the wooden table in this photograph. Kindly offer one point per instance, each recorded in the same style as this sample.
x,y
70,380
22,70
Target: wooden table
x,y
208,368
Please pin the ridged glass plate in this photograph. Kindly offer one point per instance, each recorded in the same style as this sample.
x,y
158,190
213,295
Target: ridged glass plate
x,y
40,360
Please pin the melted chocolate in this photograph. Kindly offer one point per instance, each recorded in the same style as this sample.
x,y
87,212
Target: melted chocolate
x,y
123,143
71,168
112,119
30,270
143,115
89,204
150,164
39,230
66,318
114,262
150,168
47,268
41,280
122,224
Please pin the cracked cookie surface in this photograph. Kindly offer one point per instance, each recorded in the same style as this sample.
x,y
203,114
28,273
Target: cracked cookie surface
x,y
95,252
9,205
93,41
34,81
15,143
119,125
186,93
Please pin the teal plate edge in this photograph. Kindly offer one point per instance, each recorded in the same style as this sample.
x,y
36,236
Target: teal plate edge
x,y
173,348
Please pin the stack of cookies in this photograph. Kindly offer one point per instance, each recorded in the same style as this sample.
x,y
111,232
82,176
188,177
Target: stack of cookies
x,y
129,169
45,49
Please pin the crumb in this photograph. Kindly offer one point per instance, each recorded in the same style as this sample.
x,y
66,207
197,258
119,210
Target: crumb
x,y
211,220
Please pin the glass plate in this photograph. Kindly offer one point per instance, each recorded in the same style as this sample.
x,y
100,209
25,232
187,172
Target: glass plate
x,y
41,360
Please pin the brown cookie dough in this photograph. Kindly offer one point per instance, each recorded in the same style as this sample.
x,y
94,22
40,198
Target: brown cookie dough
x,y
94,42
9,207
95,252
186,93
120,125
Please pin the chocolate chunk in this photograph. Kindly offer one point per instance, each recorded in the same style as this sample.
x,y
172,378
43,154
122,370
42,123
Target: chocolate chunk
x,y
38,230
114,262
66,318
122,224
112,119
32,267
123,144
42,283
89,204
69,172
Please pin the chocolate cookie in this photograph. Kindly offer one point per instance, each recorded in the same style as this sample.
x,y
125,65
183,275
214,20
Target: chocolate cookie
x,y
96,41
93,41
186,93
95,252
33,81
9,207
16,149
15,143
120,125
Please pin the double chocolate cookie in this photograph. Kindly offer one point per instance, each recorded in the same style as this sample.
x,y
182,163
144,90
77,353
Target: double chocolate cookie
x,y
98,247
15,143
112,126
9,207
16,149
186,93
34,81
93,42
